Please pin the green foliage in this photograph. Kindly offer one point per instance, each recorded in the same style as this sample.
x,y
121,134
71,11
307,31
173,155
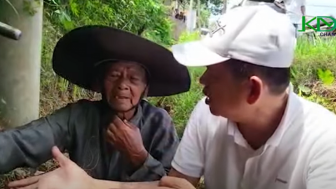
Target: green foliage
x,y
324,101
31,6
204,15
183,104
326,76
314,69
303,89
136,16
311,56
189,36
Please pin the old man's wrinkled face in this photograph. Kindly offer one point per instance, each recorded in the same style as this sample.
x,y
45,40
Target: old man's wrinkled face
x,y
124,84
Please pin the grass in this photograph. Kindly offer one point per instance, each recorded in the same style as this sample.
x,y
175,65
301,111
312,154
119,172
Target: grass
x,y
181,105
309,57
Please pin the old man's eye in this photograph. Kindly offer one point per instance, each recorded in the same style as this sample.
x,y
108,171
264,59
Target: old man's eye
x,y
135,79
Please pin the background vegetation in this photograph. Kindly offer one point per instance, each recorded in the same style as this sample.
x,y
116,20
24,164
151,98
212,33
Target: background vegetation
x,y
312,74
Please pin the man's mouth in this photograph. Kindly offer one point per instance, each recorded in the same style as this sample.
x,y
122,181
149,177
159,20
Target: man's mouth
x,y
121,97
207,100
206,93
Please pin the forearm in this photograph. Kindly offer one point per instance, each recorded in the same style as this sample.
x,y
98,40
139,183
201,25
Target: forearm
x,y
27,146
151,170
30,145
104,184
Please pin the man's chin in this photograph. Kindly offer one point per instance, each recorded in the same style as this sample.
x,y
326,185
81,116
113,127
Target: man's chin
x,y
212,109
121,108
213,112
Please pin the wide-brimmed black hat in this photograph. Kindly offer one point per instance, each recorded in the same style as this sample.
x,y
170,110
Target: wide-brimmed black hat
x,y
77,53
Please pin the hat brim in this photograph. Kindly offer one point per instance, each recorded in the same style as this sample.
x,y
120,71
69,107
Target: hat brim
x,y
77,52
195,54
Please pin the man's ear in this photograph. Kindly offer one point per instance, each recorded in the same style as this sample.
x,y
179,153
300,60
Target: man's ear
x,y
256,86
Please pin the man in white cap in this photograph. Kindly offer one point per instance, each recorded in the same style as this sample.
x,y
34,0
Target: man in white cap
x,y
251,131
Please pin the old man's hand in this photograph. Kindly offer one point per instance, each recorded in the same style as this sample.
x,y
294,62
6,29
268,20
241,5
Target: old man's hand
x,y
68,176
175,183
126,137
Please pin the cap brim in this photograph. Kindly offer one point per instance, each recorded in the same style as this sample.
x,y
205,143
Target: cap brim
x,y
195,54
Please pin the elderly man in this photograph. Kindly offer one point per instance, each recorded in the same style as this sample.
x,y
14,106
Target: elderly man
x,y
251,130
120,138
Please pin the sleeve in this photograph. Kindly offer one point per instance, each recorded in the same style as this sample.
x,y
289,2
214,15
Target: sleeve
x,y
189,158
30,145
161,152
322,168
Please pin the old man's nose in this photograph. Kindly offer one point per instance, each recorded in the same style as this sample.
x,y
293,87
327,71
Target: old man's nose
x,y
123,85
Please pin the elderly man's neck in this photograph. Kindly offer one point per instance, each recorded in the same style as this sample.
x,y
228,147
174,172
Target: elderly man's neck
x,y
261,123
126,115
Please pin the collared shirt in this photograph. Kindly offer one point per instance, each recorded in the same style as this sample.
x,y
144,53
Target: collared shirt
x,y
299,155
80,129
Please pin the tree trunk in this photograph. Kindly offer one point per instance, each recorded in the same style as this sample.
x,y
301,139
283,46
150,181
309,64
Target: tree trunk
x,y
20,63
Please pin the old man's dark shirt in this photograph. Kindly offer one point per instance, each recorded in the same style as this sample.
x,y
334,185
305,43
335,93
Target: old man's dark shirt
x,y
80,129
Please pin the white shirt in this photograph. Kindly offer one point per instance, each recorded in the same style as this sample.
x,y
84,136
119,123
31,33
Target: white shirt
x,y
293,9
301,154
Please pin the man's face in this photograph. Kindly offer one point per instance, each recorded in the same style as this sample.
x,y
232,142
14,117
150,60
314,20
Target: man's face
x,y
226,96
124,84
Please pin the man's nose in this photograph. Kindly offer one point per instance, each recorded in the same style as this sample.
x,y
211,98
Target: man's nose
x,y
123,84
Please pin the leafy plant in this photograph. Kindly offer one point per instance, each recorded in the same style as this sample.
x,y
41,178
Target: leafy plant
x,y
326,76
304,90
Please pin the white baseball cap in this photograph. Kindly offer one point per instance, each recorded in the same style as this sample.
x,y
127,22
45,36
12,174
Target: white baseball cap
x,y
254,34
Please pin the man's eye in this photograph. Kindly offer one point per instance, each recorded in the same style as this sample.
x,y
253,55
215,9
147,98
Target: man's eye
x,y
135,78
